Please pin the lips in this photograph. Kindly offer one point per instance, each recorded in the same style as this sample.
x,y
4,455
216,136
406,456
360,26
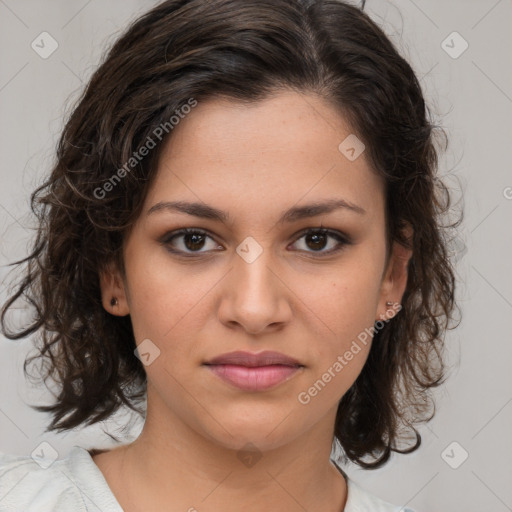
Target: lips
x,y
254,372
266,358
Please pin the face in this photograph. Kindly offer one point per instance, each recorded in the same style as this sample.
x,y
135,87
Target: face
x,y
250,277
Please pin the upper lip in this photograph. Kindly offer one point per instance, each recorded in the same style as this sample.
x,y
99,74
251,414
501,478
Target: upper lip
x,y
265,358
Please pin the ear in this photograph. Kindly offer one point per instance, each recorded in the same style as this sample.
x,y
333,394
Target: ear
x,y
113,287
395,276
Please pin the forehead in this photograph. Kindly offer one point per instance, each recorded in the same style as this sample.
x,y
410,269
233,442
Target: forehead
x,y
282,150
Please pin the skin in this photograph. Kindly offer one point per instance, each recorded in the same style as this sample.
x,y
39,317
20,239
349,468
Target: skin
x,y
254,162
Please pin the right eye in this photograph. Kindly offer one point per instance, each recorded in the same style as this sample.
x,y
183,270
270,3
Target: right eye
x,y
190,241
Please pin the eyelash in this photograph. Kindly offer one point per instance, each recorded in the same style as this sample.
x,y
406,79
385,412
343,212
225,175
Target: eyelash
x,y
343,240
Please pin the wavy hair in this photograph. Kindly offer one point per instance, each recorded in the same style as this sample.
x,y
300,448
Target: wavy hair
x,y
243,50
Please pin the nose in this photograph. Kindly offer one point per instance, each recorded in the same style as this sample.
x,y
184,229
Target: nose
x,y
255,296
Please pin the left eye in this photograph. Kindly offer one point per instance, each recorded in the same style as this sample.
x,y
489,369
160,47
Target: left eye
x,y
318,238
193,240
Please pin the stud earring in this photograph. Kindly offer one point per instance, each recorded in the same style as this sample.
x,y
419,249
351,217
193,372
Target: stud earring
x,y
389,303
113,302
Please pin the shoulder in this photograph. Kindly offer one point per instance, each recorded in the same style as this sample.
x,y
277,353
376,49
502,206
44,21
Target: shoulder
x,y
359,500
44,484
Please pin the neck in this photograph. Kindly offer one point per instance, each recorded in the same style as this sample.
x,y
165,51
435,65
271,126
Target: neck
x,y
176,465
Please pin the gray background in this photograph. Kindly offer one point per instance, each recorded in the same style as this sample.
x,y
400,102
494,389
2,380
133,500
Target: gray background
x,y
471,95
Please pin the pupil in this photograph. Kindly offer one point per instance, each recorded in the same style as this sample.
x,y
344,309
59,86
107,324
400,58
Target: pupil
x,y
197,240
317,237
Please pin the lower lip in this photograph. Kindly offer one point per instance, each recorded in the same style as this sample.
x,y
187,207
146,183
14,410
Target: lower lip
x,y
258,378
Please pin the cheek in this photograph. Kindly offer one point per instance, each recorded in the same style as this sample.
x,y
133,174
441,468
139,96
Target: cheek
x,y
345,307
164,302
169,304
347,298
340,351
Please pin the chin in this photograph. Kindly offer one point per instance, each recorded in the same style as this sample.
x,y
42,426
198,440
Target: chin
x,y
252,431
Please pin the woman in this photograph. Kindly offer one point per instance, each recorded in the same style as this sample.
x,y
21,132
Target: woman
x,y
244,228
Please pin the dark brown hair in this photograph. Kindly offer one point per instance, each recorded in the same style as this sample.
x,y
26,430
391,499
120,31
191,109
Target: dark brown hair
x,y
245,50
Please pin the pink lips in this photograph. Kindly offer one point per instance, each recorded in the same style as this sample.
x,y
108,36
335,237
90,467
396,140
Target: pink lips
x,y
254,372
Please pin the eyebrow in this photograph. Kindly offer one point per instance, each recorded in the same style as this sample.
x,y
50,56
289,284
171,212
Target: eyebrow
x,y
293,214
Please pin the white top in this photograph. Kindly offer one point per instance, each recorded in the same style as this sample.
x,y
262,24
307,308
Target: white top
x,y
76,484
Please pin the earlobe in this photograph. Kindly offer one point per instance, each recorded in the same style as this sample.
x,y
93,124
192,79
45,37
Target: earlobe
x,y
113,295
395,280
